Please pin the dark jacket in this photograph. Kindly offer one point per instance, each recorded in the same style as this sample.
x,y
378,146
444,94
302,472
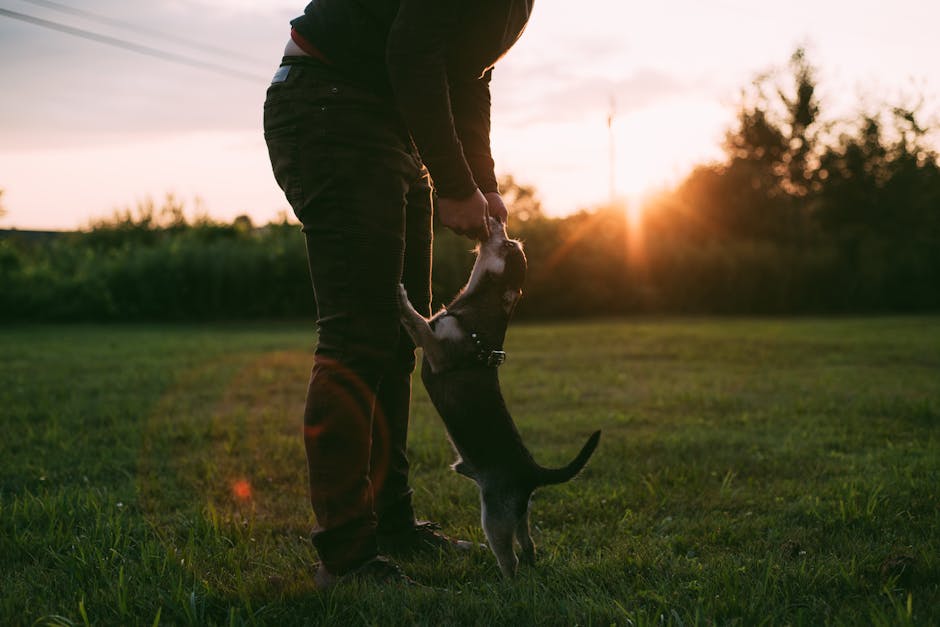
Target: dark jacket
x,y
436,56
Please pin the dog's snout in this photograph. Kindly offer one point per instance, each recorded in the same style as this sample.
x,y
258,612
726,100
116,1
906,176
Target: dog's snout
x,y
497,229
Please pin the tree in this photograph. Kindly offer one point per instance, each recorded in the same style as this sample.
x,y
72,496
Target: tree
x,y
522,200
242,224
774,153
880,205
800,124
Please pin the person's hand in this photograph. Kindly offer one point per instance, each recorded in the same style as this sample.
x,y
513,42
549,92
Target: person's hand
x,y
466,216
496,207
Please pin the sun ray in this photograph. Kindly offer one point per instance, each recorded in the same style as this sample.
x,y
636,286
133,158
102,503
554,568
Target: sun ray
x,y
579,233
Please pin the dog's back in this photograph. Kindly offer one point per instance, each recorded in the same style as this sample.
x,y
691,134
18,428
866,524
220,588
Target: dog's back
x,y
479,425
471,404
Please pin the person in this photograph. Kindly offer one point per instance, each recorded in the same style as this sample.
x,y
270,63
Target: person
x,y
373,101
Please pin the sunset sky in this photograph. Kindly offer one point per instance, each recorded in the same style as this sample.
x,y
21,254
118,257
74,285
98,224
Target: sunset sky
x,y
86,128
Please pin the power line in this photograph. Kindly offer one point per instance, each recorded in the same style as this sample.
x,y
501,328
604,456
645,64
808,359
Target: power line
x,y
108,21
133,47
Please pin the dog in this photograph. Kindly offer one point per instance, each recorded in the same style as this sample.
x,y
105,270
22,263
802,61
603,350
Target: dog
x,y
462,347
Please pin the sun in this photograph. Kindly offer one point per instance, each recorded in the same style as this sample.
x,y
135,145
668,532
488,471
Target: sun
x,y
656,146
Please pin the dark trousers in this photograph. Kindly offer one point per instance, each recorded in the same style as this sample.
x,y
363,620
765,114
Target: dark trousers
x,y
349,169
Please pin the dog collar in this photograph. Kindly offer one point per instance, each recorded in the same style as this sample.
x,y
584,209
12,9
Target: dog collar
x,y
490,358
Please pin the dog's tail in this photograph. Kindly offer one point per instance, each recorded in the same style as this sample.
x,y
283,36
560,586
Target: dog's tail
x,y
549,476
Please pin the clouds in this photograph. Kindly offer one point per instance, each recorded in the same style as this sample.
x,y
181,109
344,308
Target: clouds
x,y
152,126
568,100
244,7
65,91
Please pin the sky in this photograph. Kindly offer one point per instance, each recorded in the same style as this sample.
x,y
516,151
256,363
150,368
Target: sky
x,y
87,129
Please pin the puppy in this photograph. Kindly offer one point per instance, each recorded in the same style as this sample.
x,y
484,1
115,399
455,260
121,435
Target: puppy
x,y
462,348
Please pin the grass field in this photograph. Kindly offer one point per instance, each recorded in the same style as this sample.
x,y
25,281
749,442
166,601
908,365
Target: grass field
x,y
751,472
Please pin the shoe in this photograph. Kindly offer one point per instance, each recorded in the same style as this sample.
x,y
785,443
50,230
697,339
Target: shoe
x,y
378,570
422,536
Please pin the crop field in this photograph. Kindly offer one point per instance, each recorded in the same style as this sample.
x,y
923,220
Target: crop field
x,y
751,471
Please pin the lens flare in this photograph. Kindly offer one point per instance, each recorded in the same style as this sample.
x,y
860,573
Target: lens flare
x,y
241,490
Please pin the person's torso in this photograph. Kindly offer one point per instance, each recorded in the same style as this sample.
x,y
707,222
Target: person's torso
x,y
353,33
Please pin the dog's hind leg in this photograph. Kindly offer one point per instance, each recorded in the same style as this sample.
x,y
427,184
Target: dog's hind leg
x,y
499,525
524,537
420,331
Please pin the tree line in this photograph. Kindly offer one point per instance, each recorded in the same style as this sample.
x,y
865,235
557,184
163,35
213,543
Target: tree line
x,y
804,214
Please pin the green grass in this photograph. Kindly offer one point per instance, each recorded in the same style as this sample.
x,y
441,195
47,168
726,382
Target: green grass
x,y
751,471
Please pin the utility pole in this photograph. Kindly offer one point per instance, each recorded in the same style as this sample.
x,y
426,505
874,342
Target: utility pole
x,y
612,148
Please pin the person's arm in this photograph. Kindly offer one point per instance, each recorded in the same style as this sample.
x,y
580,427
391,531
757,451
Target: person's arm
x,y
416,57
470,100
470,103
